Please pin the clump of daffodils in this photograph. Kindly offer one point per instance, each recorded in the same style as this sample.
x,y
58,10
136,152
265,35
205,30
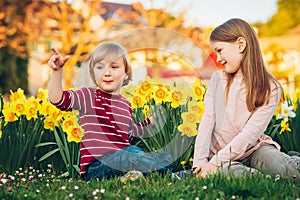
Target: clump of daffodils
x,y
39,109
150,93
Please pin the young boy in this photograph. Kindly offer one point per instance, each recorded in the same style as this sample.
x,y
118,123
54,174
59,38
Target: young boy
x,y
106,116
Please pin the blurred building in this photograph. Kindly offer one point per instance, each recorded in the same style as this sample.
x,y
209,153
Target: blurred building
x,y
282,55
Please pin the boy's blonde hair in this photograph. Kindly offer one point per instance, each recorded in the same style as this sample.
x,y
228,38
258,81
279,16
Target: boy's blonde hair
x,y
114,50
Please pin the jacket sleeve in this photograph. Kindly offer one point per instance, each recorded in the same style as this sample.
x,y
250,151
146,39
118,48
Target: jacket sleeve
x,y
206,126
252,132
74,100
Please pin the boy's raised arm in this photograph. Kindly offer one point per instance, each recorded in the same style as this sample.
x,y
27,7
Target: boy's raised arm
x,y
56,63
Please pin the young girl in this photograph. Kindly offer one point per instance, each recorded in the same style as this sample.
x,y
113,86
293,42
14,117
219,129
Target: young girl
x,y
106,116
239,104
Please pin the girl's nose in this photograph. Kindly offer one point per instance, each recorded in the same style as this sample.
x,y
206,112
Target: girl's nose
x,y
219,59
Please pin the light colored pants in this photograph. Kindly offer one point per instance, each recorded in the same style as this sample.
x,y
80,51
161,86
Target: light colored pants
x,y
266,159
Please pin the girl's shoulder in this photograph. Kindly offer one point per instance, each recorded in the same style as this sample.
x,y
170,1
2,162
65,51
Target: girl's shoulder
x,y
218,74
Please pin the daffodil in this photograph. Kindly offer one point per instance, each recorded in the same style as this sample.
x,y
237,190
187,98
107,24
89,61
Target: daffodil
x,y
75,133
197,107
19,107
190,117
67,123
284,126
47,109
70,114
296,97
8,113
146,110
137,101
178,97
33,106
50,123
56,114
19,94
198,89
286,111
277,111
42,94
286,94
145,87
160,94
188,129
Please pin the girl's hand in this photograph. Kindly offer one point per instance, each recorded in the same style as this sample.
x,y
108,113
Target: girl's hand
x,y
206,169
56,61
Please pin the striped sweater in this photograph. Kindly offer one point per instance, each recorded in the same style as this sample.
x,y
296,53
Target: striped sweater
x,y
106,119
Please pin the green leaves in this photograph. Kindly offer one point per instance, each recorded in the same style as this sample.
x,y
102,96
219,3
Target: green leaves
x,y
17,144
69,152
289,140
164,135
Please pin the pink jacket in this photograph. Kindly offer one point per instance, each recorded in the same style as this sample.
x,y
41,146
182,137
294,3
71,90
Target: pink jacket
x,y
230,132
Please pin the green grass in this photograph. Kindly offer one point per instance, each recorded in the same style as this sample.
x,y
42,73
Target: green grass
x,y
44,185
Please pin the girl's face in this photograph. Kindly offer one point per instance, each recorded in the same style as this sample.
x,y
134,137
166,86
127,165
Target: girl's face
x,y
228,54
110,74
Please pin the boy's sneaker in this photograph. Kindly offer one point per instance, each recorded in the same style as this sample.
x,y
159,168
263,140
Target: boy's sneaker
x,y
132,175
181,174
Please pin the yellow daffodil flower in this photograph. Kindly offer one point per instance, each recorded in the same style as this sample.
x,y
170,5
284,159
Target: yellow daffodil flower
x,y
137,101
42,94
75,133
160,94
8,113
198,89
284,126
189,117
50,123
188,129
19,94
183,163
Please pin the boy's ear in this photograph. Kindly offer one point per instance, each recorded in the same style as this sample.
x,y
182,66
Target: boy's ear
x,y
126,76
241,42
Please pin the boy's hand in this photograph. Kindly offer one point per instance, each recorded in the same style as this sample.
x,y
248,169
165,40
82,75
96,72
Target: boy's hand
x,y
56,61
158,114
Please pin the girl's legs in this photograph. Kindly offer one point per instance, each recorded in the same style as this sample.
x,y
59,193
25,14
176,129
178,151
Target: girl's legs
x,y
128,159
269,159
237,169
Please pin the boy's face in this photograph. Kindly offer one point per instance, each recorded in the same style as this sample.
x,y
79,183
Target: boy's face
x,y
110,74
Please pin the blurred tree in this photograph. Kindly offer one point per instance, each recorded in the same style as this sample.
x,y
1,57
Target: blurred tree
x,y
160,18
13,46
286,18
73,28
76,28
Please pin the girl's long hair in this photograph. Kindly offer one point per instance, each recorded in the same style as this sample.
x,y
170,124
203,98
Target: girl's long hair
x,y
256,76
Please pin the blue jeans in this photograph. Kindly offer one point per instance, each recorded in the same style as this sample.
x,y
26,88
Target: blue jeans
x,y
127,159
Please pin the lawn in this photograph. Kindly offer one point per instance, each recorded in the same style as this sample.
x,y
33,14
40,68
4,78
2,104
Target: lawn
x,y
33,184
21,134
